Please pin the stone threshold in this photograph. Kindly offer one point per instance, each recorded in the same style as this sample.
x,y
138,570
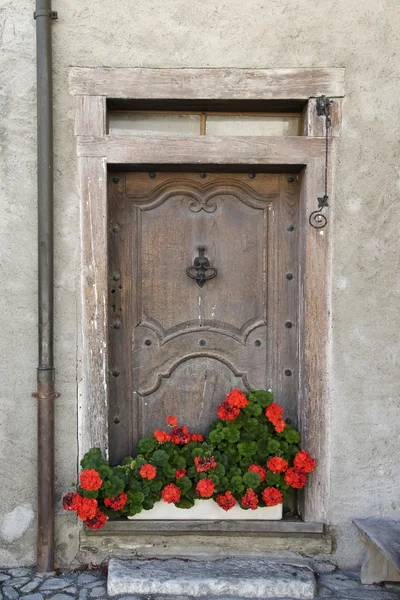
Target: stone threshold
x,y
290,526
223,578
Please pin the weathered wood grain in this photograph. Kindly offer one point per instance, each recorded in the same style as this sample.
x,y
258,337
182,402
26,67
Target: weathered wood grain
x,y
314,320
121,290
92,414
179,150
314,126
205,84
160,221
90,115
282,319
286,526
382,539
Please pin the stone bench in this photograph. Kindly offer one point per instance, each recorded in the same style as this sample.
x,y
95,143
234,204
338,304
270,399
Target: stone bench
x,y
382,539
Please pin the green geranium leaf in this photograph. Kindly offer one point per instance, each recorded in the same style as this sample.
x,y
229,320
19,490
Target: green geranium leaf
x,y
146,445
236,484
159,458
262,448
148,504
273,479
185,503
291,435
215,437
180,462
273,446
169,471
247,448
220,469
253,410
136,497
251,479
184,484
231,434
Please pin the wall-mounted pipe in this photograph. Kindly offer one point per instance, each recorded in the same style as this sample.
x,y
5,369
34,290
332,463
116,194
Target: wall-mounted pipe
x,y
45,373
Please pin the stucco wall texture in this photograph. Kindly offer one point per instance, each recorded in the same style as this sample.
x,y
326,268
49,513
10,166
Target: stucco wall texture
x,y
364,397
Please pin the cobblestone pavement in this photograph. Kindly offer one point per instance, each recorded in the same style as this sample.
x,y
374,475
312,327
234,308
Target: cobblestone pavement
x,y
24,584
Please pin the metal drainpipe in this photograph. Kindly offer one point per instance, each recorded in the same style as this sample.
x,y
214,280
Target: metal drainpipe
x,y
45,373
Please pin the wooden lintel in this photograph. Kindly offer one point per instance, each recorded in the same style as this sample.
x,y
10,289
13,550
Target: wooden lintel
x,y
230,84
203,150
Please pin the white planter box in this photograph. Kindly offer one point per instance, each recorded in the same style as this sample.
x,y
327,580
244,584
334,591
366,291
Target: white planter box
x,y
208,510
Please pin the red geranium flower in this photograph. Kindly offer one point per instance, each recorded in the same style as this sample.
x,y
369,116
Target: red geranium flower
x,y
204,464
237,399
116,503
226,501
90,480
304,462
295,478
85,508
226,412
172,421
250,500
280,426
180,435
171,493
98,521
277,464
274,413
272,496
147,471
197,437
262,472
68,500
179,473
205,488
161,436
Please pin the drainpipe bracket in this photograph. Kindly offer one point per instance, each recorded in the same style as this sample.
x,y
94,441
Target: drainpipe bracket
x,y
46,395
53,14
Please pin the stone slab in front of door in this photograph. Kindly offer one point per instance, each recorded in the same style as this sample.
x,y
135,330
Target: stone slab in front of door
x,y
178,348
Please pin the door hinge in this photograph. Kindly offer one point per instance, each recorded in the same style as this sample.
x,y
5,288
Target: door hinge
x,y
53,14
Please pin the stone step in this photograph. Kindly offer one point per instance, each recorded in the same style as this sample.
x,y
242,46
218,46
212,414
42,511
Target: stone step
x,y
222,578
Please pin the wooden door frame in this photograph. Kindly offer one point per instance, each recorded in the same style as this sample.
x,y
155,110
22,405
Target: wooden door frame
x,y
96,150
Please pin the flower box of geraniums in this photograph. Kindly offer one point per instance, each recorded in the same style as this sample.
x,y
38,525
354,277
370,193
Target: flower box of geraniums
x,y
246,466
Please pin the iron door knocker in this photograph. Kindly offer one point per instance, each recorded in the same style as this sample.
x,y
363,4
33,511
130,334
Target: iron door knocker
x,y
201,271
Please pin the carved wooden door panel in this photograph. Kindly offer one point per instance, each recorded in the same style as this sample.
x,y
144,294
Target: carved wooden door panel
x,y
177,347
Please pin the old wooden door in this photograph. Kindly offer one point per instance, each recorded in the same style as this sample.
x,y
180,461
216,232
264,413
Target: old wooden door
x,y
178,348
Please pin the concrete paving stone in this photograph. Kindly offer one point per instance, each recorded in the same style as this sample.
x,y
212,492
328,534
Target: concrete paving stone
x,y
18,582
33,597
86,578
97,592
10,593
237,577
55,583
4,576
31,586
83,594
61,597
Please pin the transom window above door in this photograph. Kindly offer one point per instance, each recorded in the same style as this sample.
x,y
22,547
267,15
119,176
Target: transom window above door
x,y
133,122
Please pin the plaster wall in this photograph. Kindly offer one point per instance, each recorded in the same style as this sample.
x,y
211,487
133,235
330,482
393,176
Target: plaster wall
x,y
364,400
